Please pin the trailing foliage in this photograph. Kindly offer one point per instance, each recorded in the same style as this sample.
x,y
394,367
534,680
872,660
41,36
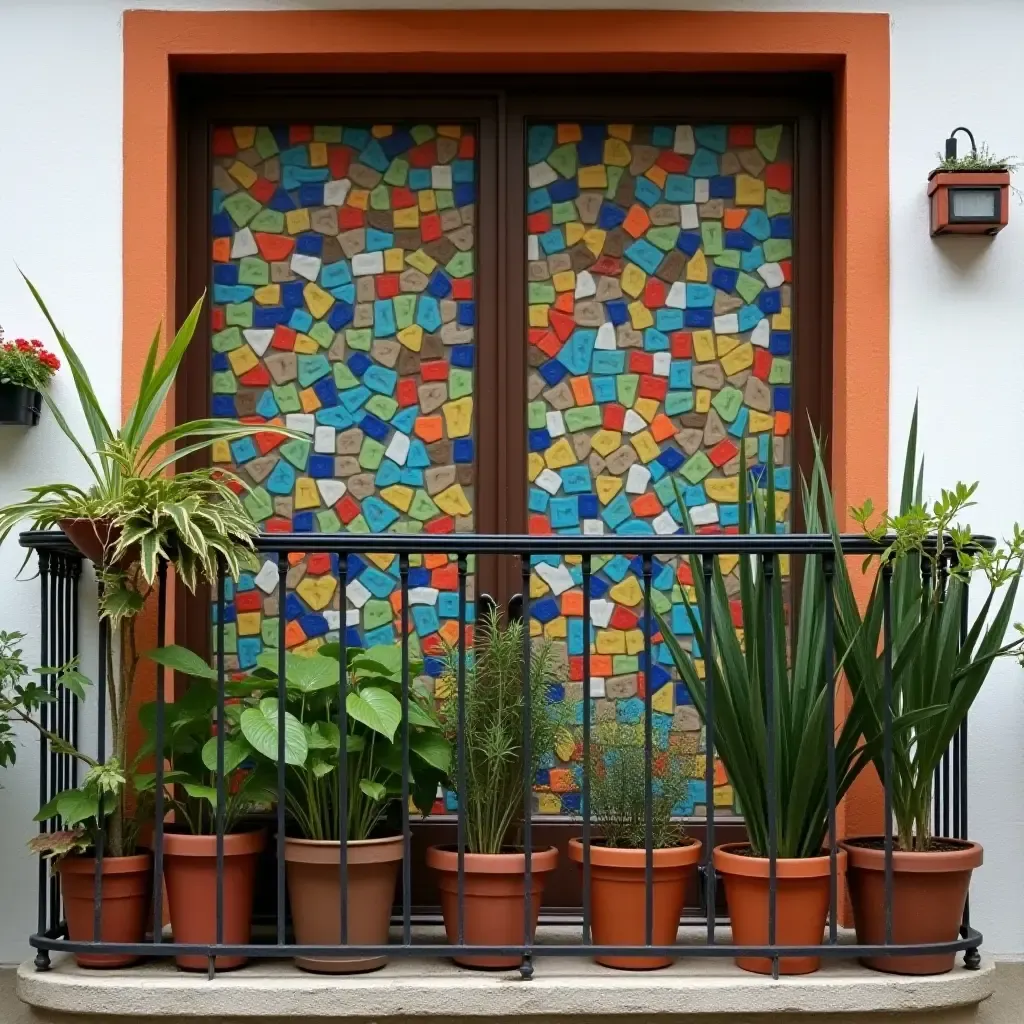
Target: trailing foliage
x,y
495,717
935,676
618,780
312,738
191,520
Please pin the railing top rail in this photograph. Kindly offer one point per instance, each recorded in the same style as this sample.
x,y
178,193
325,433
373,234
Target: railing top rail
x,y
535,544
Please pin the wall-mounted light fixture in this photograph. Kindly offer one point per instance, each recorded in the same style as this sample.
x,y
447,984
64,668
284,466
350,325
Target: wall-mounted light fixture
x,y
969,195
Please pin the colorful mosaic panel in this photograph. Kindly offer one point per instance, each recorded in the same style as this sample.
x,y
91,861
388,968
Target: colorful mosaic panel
x,y
343,306
659,291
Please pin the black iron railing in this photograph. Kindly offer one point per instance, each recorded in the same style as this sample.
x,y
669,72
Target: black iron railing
x,y
59,571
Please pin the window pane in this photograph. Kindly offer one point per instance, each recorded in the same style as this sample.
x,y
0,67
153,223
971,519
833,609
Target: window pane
x,y
659,292
343,305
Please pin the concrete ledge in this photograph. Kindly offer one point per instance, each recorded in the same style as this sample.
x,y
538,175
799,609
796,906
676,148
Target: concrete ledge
x,y
561,987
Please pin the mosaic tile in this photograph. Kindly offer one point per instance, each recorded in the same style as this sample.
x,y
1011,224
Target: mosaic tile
x,y
659,344
343,285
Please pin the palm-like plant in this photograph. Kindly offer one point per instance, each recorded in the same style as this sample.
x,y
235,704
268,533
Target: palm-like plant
x,y
139,514
936,675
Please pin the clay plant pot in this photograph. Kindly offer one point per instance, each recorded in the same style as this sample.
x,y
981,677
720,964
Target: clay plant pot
x,y
618,898
929,890
124,904
190,872
495,899
801,908
314,891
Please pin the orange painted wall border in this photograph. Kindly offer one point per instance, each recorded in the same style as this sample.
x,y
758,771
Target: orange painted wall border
x,y
854,47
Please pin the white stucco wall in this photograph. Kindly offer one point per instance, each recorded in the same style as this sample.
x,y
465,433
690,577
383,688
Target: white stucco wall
x,y
956,310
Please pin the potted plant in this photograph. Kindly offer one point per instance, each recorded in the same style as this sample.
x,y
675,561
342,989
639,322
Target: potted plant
x,y
373,788
495,711
26,369
190,845
970,194
618,858
132,515
801,726
936,676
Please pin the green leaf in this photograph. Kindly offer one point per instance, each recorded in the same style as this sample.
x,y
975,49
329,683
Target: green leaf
x,y
72,806
181,659
376,709
432,748
236,750
200,792
304,674
374,790
260,727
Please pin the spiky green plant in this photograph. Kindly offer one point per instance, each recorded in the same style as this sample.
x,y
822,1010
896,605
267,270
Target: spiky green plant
x,y
495,714
801,684
618,786
935,676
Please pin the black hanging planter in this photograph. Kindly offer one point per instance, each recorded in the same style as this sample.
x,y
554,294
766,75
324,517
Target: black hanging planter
x,y
19,405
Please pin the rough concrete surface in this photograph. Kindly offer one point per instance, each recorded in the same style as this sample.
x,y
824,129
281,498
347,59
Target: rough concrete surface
x,y
566,987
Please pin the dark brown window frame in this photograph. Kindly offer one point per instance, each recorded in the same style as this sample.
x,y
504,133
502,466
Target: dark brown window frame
x,y
501,107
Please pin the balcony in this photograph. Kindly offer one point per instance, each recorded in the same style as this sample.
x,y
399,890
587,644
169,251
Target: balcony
x,y
554,924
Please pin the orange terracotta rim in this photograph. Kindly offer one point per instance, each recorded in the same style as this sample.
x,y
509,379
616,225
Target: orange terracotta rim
x,y
967,857
446,858
617,857
111,865
939,177
358,851
728,860
236,844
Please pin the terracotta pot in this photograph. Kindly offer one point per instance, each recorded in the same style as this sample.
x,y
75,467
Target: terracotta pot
x,y
495,899
91,536
314,891
190,872
124,905
928,895
618,905
801,905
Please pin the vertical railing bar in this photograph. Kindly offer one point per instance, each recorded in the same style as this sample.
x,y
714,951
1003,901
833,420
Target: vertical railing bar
x,y
76,574
44,721
972,957
53,659
828,568
158,765
587,709
955,829
101,756
403,572
221,683
926,597
648,759
343,745
526,968
708,654
887,752
768,565
282,696
460,742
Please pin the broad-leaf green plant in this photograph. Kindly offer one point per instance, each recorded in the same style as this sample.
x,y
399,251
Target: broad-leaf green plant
x,y
495,716
190,747
936,676
312,739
